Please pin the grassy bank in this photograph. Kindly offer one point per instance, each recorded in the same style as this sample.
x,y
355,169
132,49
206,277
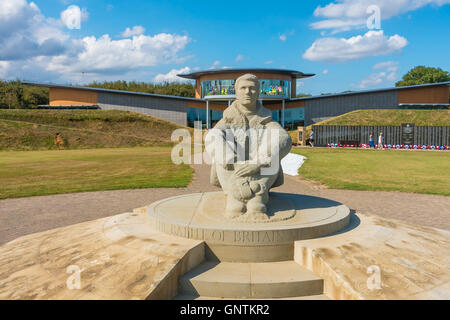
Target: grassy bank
x,y
81,129
407,171
434,118
33,173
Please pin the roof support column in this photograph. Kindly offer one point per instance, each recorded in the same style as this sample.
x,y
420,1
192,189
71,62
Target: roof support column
x,y
207,115
282,112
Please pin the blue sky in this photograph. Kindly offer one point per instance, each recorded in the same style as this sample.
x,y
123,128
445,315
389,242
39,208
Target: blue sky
x,y
154,40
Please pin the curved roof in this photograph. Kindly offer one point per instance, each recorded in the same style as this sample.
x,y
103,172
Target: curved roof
x,y
292,73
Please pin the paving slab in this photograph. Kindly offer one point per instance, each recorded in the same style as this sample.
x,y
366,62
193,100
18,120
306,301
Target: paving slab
x,y
380,258
250,280
110,258
218,279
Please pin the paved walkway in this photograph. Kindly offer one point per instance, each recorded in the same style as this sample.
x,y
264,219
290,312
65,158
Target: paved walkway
x,y
421,209
19,217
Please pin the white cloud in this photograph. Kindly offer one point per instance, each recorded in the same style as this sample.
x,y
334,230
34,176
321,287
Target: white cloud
x,y
283,36
215,65
388,74
4,66
30,69
35,47
373,43
299,85
338,25
392,76
13,9
342,15
73,15
135,31
104,55
268,62
239,57
171,76
325,71
372,80
25,32
391,66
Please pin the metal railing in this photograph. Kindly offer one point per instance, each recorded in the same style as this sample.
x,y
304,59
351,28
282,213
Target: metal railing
x,y
437,136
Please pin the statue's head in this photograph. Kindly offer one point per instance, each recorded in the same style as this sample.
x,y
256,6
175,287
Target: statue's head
x,y
247,90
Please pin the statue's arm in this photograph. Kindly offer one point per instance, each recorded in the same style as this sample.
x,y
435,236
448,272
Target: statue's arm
x,y
218,148
284,140
285,143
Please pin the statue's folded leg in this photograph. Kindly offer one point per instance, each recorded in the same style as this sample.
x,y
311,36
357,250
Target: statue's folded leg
x,y
257,205
245,194
234,207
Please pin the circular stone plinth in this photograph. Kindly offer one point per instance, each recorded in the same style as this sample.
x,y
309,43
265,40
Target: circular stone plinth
x,y
292,217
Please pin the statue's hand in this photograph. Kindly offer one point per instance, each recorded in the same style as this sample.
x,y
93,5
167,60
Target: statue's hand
x,y
244,170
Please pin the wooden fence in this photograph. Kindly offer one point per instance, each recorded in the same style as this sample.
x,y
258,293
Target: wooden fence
x,y
392,135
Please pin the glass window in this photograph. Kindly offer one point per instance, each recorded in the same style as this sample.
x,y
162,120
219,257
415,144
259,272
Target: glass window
x,y
197,114
218,87
294,118
275,88
270,88
216,115
276,115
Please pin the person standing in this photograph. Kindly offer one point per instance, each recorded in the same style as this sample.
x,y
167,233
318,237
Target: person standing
x,y
59,142
311,139
380,141
371,141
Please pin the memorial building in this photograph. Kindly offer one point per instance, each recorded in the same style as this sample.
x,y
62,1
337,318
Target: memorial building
x,y
277,88
214,92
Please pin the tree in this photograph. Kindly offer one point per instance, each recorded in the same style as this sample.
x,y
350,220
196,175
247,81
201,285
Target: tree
x,y
166,88
34,96
10,94
423,75
303,95
13,95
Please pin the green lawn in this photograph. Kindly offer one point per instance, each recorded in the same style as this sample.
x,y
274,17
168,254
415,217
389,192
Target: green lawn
x,y
407,171
33,173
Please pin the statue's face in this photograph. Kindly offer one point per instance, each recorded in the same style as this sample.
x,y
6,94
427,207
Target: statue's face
x,y
247,93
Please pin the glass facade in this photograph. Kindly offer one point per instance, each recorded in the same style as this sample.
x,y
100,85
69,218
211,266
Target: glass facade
x,y
218,88
277,88
269,88
424,107
292,117
196,114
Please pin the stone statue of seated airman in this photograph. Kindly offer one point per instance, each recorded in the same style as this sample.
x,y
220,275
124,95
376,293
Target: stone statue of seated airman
x,y
246,148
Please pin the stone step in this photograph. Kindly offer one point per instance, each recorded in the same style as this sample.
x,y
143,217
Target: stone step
x,y
250,280
190,297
